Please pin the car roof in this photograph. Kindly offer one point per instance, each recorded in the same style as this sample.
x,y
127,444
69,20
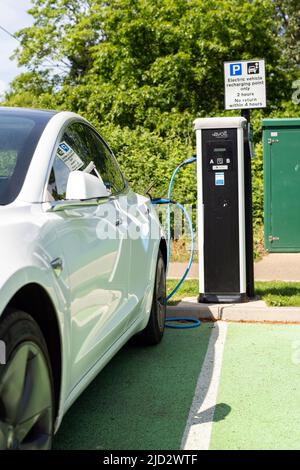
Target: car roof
x,y
27,112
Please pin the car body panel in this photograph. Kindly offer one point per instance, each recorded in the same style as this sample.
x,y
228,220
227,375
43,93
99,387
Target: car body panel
x,y
95,277
102,294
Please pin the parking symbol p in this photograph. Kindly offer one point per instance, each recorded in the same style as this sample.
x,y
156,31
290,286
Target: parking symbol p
x,y
235,69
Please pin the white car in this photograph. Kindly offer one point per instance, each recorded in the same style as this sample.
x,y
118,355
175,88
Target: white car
x,y
83,268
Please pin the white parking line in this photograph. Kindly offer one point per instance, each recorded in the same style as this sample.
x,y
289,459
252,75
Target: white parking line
x,y
200,420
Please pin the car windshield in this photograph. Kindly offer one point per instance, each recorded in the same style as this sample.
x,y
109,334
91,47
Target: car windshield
x,y
20,131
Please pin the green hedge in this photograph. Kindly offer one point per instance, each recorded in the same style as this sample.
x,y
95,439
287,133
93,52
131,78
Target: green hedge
x,y
147,158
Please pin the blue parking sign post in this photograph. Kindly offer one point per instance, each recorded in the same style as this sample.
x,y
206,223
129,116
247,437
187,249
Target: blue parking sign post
x,y
246,113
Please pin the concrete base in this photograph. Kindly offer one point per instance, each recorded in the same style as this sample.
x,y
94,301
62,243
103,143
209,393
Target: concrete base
x,y
253,311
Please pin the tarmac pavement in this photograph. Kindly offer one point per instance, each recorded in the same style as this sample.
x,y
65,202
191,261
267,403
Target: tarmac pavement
x,y
273,267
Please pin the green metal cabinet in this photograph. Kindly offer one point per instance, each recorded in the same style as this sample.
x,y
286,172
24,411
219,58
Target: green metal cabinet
x,y
281,147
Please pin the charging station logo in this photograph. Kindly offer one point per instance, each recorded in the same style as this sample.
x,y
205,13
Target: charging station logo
x,y
235,69
220,135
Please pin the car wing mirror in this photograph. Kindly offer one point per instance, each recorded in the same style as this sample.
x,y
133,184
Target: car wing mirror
x,y
82,185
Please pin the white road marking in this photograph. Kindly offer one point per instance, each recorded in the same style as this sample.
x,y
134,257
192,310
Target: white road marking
x,y
200,420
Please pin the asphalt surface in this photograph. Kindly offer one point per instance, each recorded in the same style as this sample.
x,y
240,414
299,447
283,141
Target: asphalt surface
x,y
273,267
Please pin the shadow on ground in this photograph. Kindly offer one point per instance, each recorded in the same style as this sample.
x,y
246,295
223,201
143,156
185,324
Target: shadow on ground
x,y
220,411
141,399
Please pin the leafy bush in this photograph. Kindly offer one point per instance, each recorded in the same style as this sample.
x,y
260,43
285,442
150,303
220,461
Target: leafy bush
x,y
142,71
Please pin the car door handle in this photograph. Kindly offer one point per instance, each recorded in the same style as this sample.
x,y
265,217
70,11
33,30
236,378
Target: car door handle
x,y
57,265
146,210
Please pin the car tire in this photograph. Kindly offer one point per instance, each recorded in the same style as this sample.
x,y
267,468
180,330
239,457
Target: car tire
x,y
154,330
26,385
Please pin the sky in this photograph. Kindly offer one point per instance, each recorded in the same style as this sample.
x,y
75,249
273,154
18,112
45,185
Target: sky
x,y
13,16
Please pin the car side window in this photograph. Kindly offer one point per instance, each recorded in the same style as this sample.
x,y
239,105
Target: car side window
x,y
80,148
106,164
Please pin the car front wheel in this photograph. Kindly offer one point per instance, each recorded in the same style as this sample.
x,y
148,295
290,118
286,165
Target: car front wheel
x,y
26,386
154,330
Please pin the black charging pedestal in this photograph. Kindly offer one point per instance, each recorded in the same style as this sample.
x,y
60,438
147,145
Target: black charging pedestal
x,y
225,234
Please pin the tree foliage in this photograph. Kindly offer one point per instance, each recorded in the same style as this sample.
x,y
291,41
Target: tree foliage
x,y
288,15
142,70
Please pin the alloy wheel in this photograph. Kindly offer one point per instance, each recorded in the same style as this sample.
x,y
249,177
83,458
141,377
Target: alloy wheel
x,y
26,404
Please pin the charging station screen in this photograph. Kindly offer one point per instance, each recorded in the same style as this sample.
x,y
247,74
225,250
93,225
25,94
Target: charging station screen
x,y
219,155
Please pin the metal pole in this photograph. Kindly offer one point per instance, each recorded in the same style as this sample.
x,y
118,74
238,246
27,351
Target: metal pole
x,y
248,210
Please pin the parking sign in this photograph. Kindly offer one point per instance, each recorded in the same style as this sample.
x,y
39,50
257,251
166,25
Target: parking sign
x,y
245,84
235,69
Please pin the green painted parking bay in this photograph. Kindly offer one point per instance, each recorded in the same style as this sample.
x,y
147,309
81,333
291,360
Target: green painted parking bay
x,y
260,381
142,399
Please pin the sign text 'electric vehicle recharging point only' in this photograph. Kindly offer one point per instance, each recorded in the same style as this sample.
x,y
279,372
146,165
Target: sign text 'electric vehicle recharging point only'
x,y
221,209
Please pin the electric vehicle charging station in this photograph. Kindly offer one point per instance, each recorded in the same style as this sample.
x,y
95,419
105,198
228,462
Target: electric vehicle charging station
x,y
224,201
222,216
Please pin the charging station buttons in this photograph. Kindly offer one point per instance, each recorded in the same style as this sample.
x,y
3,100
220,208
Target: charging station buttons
x,y
218,163
219,155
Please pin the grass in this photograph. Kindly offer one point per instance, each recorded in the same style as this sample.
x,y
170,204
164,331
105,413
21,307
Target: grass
x,y
180,251
279,294
275,294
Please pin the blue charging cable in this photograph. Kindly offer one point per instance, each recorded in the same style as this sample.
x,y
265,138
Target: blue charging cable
x,y
191,322
188,161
